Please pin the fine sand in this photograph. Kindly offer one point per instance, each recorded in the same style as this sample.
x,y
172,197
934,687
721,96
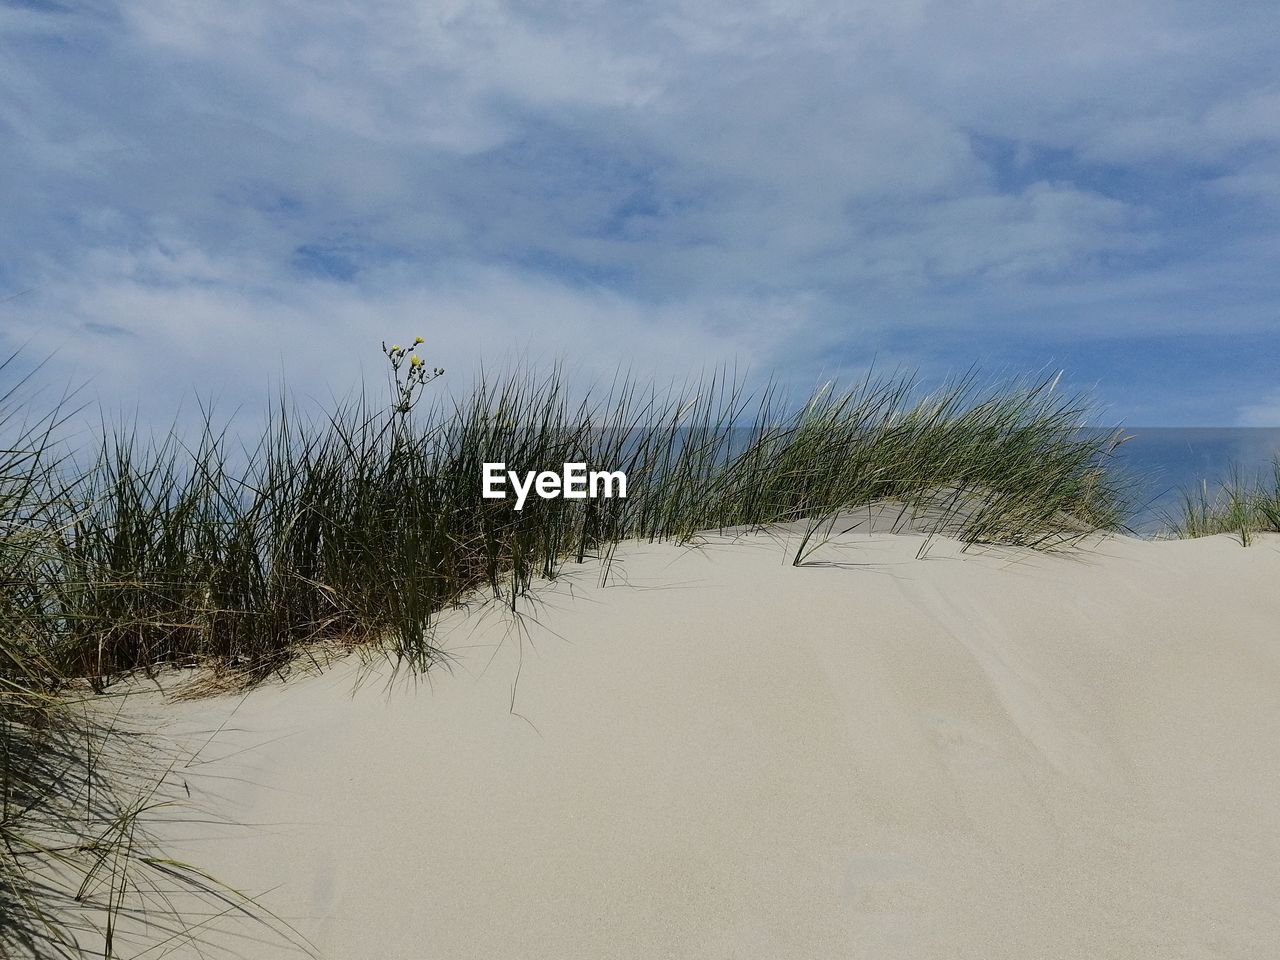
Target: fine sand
x,y
983,754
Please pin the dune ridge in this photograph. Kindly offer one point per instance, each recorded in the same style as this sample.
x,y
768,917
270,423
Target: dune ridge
x,y
900,749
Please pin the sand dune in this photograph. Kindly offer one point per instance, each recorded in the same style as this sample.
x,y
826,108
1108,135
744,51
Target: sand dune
x,y
981,755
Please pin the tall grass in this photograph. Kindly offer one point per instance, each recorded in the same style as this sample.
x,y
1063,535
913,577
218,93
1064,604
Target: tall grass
x,y
1241,505
76,789
366,524
362,526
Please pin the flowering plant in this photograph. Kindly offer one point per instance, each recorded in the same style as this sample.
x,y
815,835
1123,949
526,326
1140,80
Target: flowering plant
x,y
409,373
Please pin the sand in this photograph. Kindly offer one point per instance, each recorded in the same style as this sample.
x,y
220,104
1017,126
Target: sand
x,y
979,754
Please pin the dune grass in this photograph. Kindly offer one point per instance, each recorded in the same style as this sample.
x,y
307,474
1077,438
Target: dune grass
x,y
361,526
1241,505
364,526
66,831
76,788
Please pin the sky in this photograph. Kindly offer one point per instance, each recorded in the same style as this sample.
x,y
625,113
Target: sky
x,y
209,198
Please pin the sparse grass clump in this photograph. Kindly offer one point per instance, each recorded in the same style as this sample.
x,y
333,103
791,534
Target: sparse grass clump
x,y
362,526
1240,506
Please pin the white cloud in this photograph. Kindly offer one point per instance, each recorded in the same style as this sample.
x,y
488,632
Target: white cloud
x,y
167,325
1264,413
793,182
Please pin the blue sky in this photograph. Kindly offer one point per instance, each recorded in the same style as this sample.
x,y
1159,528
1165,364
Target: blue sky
x,y
205,195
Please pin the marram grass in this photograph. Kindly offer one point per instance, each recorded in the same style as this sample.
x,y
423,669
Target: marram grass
x,y
361,527
76,790
365,526
1241,506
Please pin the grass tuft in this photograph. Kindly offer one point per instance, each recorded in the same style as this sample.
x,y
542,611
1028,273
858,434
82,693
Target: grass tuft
x,y
1241,506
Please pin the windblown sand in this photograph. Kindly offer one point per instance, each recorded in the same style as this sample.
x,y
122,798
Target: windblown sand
x,y
979,754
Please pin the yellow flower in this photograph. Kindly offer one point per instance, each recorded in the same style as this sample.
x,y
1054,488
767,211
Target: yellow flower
x,y
418,340
395,346
416,361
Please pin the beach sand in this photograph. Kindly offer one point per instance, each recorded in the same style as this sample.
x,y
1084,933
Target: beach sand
x,y
983,754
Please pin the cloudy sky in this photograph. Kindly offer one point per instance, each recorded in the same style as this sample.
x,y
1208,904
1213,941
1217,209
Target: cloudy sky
x,y
208,196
